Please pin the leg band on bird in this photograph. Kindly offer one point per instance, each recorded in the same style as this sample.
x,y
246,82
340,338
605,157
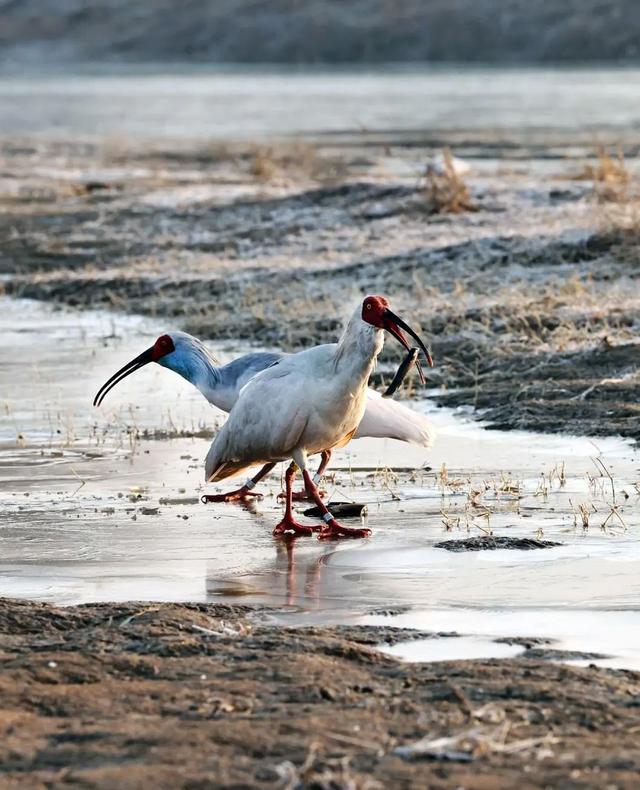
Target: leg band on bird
x,y
331,529
241,494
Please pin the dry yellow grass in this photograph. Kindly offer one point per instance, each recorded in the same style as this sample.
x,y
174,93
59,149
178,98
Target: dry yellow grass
x,y
612,179
445,190
263,166
616,193
298,160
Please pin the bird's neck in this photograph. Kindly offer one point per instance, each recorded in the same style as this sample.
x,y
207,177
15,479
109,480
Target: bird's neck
x,y
196,366
358,349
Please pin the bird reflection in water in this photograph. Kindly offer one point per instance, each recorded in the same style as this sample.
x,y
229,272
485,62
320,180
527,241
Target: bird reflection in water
x,y
305,572
293,579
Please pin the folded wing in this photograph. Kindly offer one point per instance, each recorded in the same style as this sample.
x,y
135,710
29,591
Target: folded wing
x,y
264,425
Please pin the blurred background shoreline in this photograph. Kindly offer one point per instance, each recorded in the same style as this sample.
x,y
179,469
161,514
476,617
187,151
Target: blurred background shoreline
x,y
318,31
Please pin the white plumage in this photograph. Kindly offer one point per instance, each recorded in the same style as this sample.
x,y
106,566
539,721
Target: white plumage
x,y
386,419
275,421
303,404
314,401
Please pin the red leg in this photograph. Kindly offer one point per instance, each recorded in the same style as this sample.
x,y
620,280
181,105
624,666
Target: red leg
x,y
289,526
307,495
331,529
240,494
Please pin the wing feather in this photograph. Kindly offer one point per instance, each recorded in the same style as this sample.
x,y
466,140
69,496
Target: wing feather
x,y
387,419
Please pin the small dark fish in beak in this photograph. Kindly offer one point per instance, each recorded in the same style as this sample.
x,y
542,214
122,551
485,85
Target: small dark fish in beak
x,y
140,361
394,325
410,359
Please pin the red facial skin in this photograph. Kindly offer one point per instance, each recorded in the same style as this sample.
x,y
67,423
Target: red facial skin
x,y
162,347
376,312
373,309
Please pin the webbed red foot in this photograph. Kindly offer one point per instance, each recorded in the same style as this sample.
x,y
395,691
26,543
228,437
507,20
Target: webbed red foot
x,y
332,530
290,528
300,496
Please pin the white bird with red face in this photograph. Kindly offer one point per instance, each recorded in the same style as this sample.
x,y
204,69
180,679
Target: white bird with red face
x,y
221,386
306,403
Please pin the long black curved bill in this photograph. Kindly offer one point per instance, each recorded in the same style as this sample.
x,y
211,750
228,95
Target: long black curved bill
x,y
394,324
410,359
140,361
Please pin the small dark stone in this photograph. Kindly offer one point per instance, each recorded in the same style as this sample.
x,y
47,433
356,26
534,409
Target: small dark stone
x,y
328,694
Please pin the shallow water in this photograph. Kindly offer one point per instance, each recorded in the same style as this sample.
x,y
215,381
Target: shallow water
x,y
245,103
92,512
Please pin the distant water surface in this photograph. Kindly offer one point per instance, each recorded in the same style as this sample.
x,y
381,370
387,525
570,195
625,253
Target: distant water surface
x,y
250,103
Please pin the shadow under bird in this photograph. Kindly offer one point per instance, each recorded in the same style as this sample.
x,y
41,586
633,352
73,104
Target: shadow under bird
x,y
306,403
221,386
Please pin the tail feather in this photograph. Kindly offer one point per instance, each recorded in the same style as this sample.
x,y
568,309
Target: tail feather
x,y
386,419
216,465
227,470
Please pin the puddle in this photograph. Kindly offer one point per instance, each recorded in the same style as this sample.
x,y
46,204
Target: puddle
x,y
92,512
613,634
450,649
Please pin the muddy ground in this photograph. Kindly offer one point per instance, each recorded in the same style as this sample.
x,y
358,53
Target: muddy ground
x,y
529,297
163,695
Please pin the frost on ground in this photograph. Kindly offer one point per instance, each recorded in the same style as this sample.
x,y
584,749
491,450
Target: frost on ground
x,y
523,272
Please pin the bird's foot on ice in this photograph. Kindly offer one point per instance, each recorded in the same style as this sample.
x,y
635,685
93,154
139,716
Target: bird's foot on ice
x,y
331,530
240,495
290,528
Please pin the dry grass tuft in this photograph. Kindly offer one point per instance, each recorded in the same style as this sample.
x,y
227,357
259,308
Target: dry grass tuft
x,y
263,166
611,177
445,190
609,168
294,160
616,191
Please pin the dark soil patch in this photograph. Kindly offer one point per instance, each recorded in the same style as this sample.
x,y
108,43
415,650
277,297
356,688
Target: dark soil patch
x,y
551,654
491,542
527,642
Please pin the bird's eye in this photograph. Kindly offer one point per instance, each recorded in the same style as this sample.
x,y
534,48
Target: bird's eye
x,y
369,306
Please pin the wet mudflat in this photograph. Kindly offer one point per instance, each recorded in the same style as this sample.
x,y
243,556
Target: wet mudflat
x,y
103,505
475,667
